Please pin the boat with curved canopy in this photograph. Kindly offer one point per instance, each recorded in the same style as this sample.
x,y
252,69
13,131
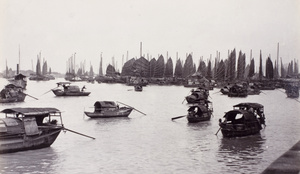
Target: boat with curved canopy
x,y
245,119
197,95
108,109
200,112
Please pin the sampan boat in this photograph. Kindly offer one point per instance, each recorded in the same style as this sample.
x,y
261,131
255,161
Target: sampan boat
x,y
69,90
197,95
138,88
12,93
200,112
108,109
29,128
245,119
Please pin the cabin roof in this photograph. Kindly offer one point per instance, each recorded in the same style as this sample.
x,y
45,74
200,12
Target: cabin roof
x,y
20,76
246,114
30,111
12,86
253,105
105,104
201,107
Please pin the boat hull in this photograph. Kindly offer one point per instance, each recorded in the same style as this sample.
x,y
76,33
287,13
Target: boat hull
x,y
21,142
196,119
19,98
110,113
239,130
63,93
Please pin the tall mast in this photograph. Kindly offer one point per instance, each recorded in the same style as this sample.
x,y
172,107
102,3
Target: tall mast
x,y
19,58
141,49
277,58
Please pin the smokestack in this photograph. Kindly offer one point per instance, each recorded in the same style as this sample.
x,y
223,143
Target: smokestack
x,y
17,69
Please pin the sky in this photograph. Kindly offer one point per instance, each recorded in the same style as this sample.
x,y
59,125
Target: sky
x,y
60,28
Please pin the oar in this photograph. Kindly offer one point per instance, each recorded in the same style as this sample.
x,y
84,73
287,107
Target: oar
x,y
30,96
178,117
132,107
218,131
49,91
79,133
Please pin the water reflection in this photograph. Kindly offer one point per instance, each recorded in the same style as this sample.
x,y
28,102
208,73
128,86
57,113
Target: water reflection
x,y
32,161
241,153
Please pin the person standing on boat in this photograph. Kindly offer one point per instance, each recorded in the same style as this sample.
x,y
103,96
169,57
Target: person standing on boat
x,y
83,88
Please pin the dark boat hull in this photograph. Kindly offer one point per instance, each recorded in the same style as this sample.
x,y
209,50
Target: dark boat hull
x,y
196,119
110,113
63,93
19,98
239,130
230,94
21,142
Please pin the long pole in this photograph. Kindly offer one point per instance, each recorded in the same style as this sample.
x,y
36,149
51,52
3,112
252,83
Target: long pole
x,y
218,131
79,133
132,107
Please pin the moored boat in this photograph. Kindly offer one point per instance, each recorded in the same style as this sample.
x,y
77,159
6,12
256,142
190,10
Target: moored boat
x,y
69,90
237,91
225,89
292,91
108,109
19,80
29,128
197,95
245,119
138,88
199,112
12,93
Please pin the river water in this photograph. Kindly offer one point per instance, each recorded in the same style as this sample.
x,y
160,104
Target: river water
x,y
153,143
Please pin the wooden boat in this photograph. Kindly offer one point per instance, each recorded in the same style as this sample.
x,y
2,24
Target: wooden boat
x,y
138,88
245,119
108,109
200,112
69,90
253,89
237,91
197,95
29,128
12,93
225,90
292,91
19,80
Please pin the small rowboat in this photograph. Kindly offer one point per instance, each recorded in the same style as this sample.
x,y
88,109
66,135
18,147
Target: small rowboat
x,y
69,90
138,88
108,109
200,112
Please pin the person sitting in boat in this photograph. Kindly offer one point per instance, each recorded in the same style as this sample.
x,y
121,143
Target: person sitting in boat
x,y
83,88
65,87
251,110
